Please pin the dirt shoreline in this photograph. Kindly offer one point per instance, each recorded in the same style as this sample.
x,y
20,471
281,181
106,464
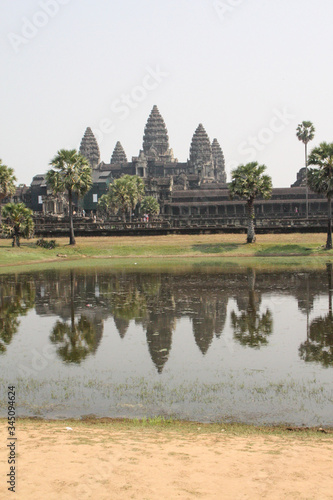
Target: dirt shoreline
x,y
128,460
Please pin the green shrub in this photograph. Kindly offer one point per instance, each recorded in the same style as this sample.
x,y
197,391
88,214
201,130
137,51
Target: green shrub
x,y
46,244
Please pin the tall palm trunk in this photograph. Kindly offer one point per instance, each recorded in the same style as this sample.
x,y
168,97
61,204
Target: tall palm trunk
x,y
251,279
307,308
306,181
251,237
70,213
73,338
16,238
329,224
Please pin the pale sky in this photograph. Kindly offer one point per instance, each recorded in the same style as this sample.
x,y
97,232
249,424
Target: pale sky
x,y
248,70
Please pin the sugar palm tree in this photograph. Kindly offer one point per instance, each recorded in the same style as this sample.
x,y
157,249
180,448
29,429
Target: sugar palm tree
x,y
17,222
320,179
248,182
7,181
71,174
150,206
136,189
305,133
124,194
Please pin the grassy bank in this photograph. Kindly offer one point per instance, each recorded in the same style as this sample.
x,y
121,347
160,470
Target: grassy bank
x,y
178,426
159,251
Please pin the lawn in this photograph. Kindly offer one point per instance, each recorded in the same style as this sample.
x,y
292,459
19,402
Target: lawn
x,y
151,251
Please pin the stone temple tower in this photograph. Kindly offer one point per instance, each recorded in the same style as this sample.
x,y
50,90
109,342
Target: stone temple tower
x,y
118,155
219,162
155,139
89,148
201,157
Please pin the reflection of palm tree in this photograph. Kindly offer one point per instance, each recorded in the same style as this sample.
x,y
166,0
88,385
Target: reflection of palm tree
x,y
16,299
250,327
77,339
319,344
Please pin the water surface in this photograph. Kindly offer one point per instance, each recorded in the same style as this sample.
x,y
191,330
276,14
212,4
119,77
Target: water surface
x,y
253,347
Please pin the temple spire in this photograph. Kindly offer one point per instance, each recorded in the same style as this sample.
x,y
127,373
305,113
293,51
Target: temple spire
x,y
201,157
89,148
156,135
219,162
118,155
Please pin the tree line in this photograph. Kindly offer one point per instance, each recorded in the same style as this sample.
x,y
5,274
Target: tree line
x,y
71,173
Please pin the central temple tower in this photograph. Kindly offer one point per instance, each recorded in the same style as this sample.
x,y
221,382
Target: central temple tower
x,y
156,139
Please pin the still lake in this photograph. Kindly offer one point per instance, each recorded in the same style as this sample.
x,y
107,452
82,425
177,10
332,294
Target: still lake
x,y
206,344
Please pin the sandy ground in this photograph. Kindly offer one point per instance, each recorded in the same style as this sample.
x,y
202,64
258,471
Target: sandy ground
x,y
155,463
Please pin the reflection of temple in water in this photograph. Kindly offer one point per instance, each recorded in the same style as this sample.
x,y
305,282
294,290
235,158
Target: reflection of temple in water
x,y
159,338
84,300
121,325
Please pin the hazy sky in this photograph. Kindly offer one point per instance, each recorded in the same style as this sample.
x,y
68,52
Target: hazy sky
x,y
248,70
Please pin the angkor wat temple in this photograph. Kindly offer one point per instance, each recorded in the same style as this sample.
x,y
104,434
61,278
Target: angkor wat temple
x,y
195,188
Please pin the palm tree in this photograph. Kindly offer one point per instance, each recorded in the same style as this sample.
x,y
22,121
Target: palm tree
x,y
124,194
150,206
17,222
248,182
136,190
71,174
305,133
7,181
320,179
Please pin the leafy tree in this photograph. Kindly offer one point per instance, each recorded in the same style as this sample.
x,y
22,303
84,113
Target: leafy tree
x,y
104,207
124,194
137,191
248,182
17,222
305,133
7,181
150,206
320,179
71,174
